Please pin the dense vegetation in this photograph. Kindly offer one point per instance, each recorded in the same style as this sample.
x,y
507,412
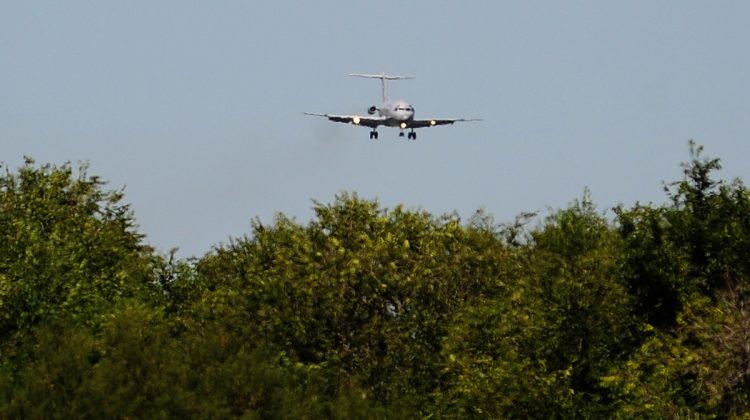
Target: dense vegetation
x,y
366,312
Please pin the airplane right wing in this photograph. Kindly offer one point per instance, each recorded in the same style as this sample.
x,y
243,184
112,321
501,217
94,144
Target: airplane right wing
x,y
438,121
352,119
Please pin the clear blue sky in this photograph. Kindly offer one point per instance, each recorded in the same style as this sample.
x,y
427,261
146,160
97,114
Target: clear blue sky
x,y
196,107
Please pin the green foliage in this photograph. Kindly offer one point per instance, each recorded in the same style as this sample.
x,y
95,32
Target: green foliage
x,y
701,369
366,312
367,292
712,223
135,367
539,349
654,267
68,249
686,264
698,244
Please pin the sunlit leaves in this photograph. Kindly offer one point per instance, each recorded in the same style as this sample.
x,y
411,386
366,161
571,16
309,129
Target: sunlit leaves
x,y
538,350
67,247
370,312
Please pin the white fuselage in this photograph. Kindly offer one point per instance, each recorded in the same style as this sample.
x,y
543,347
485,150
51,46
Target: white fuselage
x,y
396,112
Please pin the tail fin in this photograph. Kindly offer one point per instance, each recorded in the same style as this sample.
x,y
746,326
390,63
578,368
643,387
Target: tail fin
x,y
383,77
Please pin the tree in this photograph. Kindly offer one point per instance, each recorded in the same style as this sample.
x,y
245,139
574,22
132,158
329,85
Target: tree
x,y
363,291
68,249
686,266
368,312
701,368
697,244
538,349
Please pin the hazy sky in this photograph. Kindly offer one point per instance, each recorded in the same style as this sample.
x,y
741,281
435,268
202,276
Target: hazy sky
x,y
195,107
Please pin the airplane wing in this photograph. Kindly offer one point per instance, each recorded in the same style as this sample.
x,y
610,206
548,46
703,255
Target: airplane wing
x,y
352,119
438,121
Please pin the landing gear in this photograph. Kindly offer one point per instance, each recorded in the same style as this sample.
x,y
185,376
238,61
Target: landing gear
x,y
373,135
412,135
401,134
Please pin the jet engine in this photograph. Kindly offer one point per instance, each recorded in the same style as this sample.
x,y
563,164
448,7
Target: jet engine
x,y
372,110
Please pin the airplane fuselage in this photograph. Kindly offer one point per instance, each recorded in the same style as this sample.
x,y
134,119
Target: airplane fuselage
x,y
396,113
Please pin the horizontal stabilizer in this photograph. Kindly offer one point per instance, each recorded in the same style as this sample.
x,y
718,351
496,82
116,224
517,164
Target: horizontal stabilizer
x,y
381,76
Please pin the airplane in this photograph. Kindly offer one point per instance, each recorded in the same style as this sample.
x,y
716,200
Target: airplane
x,y
390,114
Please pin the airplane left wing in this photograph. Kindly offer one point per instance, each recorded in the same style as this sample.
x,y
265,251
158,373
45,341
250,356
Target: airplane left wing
x,y
437,121
352,119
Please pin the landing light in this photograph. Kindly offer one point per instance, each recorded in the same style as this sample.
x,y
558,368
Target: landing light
x,y
433,122
403,125
355,120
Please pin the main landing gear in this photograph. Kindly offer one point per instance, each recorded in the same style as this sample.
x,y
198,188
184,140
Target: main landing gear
x,y
410,135
373,135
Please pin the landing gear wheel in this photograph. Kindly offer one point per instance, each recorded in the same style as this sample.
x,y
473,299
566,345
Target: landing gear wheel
x,y
373,135
401,134
412,135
